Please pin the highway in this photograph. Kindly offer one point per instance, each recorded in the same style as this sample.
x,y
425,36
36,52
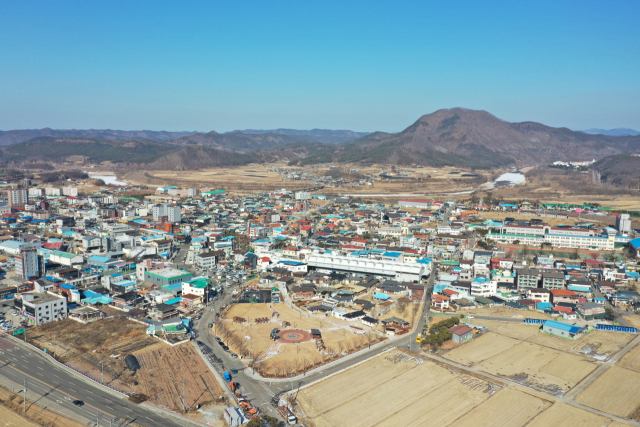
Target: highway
x,y
53,386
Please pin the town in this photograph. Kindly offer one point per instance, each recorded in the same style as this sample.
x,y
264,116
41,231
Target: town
x,y
218,306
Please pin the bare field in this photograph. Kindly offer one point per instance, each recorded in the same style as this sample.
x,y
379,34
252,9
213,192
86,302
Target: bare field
x,y
617,392
631,360
165,372
561,414
634,321
362,396
551,221
519,331
521,408
11,419
481,348
507,312
596,344
539,367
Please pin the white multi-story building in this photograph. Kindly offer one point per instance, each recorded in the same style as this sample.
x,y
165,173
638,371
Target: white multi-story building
x,y
390,269
603,243
36,192
17,197
27,262
52,191
623,224
70,191
483,287
166,213
41,307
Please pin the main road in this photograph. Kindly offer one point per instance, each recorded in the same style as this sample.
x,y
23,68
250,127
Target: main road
x,y
53,386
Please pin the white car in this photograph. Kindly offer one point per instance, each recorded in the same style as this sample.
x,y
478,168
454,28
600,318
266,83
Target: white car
x,y
470,317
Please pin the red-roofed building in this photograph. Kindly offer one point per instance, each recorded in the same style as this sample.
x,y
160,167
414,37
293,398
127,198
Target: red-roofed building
x,y
440,302
563,295
461,333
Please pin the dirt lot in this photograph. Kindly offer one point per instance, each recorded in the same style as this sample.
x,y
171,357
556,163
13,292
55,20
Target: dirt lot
x,y
11,408
481,348
165,372
276,358
634,321
617,392
92,346
599,345
520,331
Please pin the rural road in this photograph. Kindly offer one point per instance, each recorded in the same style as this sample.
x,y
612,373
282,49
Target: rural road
x,y
51,385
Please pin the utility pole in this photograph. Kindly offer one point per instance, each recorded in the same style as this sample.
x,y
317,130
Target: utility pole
x,y
102,369
97,419
55,352
184,394
24,395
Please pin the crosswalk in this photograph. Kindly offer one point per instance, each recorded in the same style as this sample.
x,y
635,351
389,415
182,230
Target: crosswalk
x,y
6,344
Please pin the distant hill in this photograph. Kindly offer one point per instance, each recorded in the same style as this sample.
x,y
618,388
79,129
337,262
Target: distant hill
x,y
612,132
326,136
17,136
621,170
201,157
50,148
477,139
240,142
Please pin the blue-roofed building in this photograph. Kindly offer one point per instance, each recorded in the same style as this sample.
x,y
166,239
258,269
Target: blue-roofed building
x,y
101,261
381,296
544,306
634,245
563,330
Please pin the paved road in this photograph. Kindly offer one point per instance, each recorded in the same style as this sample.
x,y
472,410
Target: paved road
x,y
53,386
261,391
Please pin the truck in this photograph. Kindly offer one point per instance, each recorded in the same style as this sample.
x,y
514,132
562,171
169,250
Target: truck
x,y
226,376
287,414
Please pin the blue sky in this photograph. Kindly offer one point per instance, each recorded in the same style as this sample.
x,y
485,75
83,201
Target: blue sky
x,y
362,66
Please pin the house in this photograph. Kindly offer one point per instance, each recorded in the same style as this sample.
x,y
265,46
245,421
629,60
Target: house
x,y
563,295
395,322
164,311
562,329
369,321
440,302
539,294
416,292
460,333
302,292
191,301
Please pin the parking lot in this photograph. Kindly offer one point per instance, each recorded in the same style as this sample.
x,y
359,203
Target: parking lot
x,y
10,318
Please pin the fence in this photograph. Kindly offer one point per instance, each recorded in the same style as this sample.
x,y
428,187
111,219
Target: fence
x,y
535,321
617,328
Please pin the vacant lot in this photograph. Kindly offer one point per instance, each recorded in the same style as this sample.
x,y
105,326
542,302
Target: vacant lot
x,y
617,392
9,418
631,360
71,339
275,358
165,373
520,331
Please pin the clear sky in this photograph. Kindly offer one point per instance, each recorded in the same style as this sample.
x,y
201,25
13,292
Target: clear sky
x,y
363,66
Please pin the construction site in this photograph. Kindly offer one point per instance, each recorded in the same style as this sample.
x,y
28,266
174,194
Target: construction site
x,y
279,341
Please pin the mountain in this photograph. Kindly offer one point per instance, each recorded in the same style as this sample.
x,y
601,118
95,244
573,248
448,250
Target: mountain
x,y
240,142
621,170
326,136
16,136
612,132
200,157
49,148
477,139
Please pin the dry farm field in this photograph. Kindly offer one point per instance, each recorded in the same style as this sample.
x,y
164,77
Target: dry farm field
x,y
431,395
561,414
617,391
507,312
519,352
